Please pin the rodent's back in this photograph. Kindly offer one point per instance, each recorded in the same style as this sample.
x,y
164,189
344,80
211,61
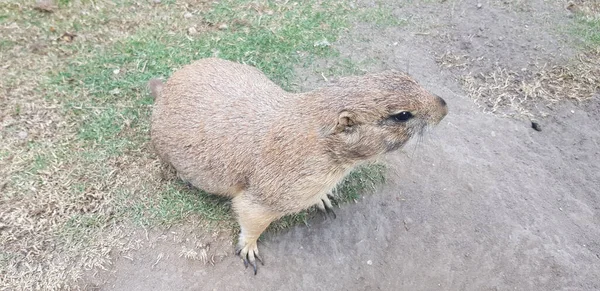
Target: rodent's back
x,y
208,115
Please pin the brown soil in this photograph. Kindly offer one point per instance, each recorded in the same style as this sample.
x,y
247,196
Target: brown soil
x,y
484,203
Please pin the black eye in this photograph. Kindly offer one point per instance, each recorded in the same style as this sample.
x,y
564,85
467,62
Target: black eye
x,y
401,117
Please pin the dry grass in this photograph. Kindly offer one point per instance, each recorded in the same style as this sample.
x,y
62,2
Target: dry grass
x,y
450,60
589,8
529,93
46,190
526,93
57,211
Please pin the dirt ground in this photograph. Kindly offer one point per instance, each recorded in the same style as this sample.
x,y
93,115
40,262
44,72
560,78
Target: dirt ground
x,y
485,202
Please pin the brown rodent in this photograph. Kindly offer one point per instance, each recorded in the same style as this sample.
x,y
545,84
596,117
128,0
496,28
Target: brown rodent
x,y
228,130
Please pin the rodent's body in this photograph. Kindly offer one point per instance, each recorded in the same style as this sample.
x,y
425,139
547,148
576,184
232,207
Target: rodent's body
x,y
228,130
245,134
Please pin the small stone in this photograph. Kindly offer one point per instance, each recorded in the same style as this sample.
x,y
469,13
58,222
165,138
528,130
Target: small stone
x,y
116,71
536,126
187,15
223,26
22,134
67,37
479,5
322,43
192,30
369,262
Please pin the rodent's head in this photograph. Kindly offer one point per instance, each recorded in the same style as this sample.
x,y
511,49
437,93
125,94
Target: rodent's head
x,y
379,113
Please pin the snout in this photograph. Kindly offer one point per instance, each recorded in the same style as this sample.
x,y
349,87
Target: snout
x,y
441,101
442,109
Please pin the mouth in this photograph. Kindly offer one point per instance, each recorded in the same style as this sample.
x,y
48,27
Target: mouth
x,y
435,121
392,146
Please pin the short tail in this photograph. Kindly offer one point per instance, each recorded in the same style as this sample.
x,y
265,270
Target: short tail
x,y
155,86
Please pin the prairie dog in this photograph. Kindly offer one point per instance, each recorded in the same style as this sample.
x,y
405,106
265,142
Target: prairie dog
x,y
228,130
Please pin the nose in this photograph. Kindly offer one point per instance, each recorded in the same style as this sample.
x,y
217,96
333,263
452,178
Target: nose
x,y
441,101
442,110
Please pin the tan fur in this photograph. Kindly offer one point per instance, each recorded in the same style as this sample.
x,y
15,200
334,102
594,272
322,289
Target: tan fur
x,y
227,129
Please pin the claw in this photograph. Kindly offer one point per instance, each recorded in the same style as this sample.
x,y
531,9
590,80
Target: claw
x,y
259,259
321,206
254,266
331,212
325,205
249,255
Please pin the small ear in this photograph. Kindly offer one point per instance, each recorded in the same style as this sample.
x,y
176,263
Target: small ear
x,y
346,119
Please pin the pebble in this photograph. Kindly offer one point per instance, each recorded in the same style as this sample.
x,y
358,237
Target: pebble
x,y
22,134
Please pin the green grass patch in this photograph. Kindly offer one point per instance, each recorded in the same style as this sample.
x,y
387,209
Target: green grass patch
x,y
381,16
588,29
361,180
6,44
273,43
40,162
177,202
86,221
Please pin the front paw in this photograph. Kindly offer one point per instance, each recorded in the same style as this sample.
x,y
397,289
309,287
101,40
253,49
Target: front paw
x,y
326,206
